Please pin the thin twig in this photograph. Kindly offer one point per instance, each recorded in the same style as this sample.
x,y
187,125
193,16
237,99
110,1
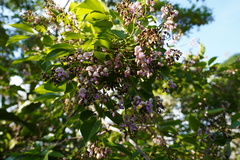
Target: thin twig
x,y
66,4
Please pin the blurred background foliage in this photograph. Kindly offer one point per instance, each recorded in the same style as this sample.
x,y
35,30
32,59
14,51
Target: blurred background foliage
x,y
202,86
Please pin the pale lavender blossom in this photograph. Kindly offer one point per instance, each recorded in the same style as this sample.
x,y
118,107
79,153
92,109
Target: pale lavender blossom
x,y
171,84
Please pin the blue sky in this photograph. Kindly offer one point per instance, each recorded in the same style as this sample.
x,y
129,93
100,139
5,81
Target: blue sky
x,y
221,37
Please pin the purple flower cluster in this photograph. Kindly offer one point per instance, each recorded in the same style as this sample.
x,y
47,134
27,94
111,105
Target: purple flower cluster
x,y
142,112
171,84
98,152
145,105
130,123
61,73
168,14
133,11
143,61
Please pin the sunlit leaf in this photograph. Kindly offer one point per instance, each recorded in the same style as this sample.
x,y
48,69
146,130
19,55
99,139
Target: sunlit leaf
x,y
30,58
49,88
103,42
23,27
74,36
48,40
16,38
47,96
94,5
62,46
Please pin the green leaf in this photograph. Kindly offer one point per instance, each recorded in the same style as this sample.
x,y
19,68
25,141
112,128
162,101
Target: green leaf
x,y
86,115
211,60
190,140
47,96
30,58
103,24
96,16
23,27
103,42
94,5
74,36
215,111
88,45
89,128
70,87
56,154
227,150
200,64
235,117
147,87
62,46
171,122
4,115
44,65
48,40
119,147
194,123
57,53
120,34
117,118
49,88
16,38
71,120
72,6
102,55
235,124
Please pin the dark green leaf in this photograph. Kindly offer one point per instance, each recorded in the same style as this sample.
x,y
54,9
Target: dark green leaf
x,y
211,60
235,117
70,87
103,24
117,118
86,115
235,124
48,40
89,128
120,148
147,87
56,154
57,53
194,123
4,115
171,122
120,34
189,139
